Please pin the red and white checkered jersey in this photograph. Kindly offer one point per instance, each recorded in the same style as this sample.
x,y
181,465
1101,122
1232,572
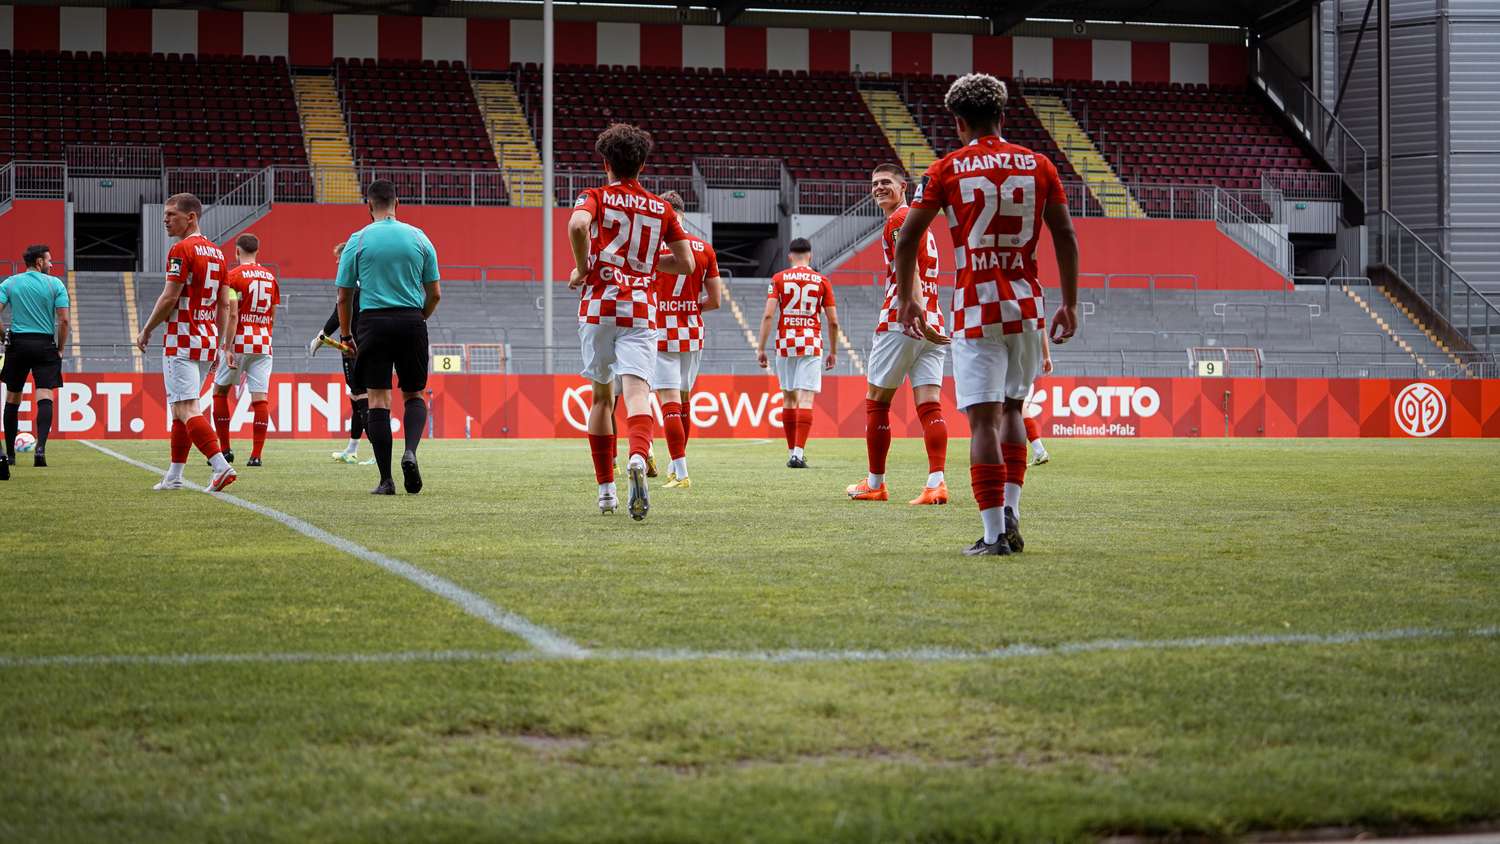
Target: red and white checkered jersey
x,y
927,276
679,305
629,227
801,294
259,295
193,330
994,193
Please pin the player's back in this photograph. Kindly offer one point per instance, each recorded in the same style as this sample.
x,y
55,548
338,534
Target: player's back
x,y
679,307
629,226
994,194
259,294
800,293
198,265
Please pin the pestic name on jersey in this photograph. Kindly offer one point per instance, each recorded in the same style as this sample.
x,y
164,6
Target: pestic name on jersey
x,y
799,322
994,161
632,202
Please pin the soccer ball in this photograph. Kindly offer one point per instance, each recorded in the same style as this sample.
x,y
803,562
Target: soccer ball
x,y
25,442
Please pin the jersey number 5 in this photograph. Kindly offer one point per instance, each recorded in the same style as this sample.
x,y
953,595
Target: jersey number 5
x,y
999,201
643,234
210,286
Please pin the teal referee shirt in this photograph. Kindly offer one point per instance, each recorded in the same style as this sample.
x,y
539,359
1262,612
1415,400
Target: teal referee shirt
x,y
34,298
389,261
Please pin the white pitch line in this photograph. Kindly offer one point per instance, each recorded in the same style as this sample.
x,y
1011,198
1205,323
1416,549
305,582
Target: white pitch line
x,y
542,639
783,657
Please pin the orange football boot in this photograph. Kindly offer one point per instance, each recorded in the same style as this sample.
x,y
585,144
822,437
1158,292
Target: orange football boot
x,y
932,495
862,492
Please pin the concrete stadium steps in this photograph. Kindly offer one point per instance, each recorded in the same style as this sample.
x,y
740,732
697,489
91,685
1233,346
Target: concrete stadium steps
x,y
515,147
900,129
1078,147
327,136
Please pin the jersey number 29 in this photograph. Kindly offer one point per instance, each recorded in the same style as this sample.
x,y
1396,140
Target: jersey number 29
x,y
999,201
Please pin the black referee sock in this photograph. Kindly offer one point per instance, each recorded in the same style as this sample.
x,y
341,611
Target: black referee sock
x,y
414,421
378,430
43,424
12,427
359,410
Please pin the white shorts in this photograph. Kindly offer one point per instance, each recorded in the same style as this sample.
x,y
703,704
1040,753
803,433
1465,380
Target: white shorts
x,y
610,352
256,368
676,370
895,356
996,366
804,372
184,377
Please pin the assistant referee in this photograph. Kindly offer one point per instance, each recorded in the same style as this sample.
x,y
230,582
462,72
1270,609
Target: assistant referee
x,y
38,305
394,267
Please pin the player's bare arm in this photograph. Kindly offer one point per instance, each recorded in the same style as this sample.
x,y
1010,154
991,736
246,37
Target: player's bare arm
x,y
578,239
1065,244
712,294
165,304
832,314
228,317
680,262
1046,356
432,292
767,320
63,322
346,318
909,309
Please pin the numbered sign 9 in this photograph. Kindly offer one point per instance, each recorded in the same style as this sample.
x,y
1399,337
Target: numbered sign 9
x,y
1210,368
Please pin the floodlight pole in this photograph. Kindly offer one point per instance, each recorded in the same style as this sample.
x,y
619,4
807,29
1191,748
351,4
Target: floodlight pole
x,y
548,201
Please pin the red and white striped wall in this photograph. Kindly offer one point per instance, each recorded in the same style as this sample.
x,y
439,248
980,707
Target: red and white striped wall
x,y
494,43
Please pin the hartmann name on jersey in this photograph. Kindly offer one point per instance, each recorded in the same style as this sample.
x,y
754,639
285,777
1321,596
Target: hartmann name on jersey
x,y
994,161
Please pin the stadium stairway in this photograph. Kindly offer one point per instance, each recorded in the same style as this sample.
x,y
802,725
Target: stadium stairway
x,y
1405,312
327,137
900,129
1080,151
515,149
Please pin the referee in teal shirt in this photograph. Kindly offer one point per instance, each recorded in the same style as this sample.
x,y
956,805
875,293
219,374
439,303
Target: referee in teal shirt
x,y
394,267
38,305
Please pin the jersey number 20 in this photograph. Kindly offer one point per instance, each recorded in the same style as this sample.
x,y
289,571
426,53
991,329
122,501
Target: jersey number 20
x,y
643,234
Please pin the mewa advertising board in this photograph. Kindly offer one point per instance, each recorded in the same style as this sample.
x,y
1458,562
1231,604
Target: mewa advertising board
x,y
313,406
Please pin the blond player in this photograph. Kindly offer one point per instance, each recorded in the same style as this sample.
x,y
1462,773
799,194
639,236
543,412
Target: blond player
x,y
899,355
799,293
997,196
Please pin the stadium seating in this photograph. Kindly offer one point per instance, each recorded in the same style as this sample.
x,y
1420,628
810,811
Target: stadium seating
x,y
413,114
816,123
206,111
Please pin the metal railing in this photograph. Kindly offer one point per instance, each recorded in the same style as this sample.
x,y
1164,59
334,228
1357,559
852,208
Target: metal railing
x,y
1303,184
847,232
829,196
722,172
1467,311
114,160
35,180
239,207
206,183
1264,240
1317,124
568,184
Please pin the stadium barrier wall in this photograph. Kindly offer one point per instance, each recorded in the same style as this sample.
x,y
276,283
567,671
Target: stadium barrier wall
x,y
313,406
300,239
35,221
1109,246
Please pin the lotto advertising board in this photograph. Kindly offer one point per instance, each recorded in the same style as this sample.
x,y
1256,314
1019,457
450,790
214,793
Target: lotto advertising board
x,y
133,406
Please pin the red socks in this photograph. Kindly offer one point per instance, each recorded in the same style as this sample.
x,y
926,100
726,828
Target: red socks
x,y
934,435
1032,434
640,428
877,434
1015,462
789,426
182,444
262,422
988,480
804,425
221,419
687,422
672,420
202,435
602,448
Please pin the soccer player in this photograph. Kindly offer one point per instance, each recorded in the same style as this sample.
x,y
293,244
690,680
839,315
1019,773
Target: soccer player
x,y
616,233
799,293
195,306
1033,431
680,303
395,268
253,314
898,355
359,401
997,196
38,330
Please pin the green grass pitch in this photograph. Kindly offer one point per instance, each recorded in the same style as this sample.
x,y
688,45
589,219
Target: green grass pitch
x,y
731,692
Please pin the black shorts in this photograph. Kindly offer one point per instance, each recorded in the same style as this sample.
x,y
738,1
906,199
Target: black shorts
x,y
349,379
391,338
35,355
